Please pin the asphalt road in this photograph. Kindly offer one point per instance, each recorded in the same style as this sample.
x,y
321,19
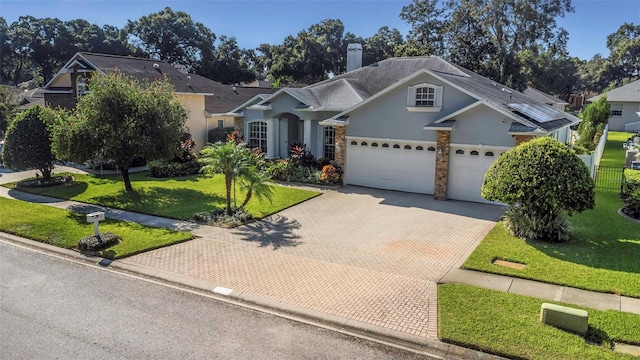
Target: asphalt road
x,y
51,308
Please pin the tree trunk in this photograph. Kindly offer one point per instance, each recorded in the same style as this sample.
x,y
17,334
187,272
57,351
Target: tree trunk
x,y
247,198
227,182
127,181
46,173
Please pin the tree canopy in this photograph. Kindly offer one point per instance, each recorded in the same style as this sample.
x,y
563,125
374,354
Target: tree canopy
x,y
120,119
541,180
28,142
513,42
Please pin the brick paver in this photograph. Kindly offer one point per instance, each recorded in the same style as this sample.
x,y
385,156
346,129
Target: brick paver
x,y
361,254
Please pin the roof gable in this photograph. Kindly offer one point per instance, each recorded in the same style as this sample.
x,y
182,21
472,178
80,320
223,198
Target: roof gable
x,y
625,93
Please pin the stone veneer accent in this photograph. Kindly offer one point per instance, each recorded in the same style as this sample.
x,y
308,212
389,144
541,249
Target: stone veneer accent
x,y
442,166
238,125
523,138
340,145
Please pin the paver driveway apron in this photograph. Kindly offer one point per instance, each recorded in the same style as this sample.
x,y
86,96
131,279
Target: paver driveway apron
x,y
365,255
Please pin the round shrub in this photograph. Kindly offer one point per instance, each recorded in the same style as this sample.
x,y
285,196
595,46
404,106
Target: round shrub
x,y
542,180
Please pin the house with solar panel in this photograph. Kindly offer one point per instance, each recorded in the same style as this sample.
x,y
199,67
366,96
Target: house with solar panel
x,y
417,124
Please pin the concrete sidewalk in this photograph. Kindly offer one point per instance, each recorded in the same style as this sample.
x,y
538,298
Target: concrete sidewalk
x,y
559,293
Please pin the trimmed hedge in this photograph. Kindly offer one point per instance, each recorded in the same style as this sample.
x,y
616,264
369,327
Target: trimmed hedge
x,y
164,169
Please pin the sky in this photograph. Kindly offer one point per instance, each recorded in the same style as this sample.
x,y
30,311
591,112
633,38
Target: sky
x,y
253,22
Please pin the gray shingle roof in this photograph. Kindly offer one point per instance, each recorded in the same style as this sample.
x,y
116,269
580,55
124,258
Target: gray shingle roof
x,y
543,97
219,98
625,93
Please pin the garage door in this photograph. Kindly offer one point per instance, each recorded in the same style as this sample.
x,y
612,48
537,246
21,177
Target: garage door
x,y
391,165
467,167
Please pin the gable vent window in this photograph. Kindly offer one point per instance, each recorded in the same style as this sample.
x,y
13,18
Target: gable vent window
x,y
364,143
374,144
474,152
420,148
354,143
488,153
396,146
460,152
616,109
431,148
407,147
424,97
385,145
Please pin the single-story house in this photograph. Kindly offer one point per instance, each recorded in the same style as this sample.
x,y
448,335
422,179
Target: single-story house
x,y
208,102
625,105
418,124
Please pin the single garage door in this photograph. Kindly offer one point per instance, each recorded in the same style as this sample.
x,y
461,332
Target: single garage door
x,y
391,165
467,167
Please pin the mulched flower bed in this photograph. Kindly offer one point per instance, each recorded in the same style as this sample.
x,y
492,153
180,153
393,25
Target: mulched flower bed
x,y
40,182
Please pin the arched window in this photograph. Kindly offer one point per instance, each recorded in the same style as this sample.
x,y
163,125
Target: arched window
x,y
420,148
396,146
354,143
407,147
431,148
385,145
374,144
364,143
460,152
488,153
474,152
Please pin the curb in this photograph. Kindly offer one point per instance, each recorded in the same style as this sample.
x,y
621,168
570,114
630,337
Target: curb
x,y
432,348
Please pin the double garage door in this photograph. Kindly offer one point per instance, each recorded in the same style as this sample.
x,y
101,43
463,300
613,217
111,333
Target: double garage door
x,y
410,166
391,165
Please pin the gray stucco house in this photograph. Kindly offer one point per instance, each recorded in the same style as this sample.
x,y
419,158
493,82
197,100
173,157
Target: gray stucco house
x,y
625,106
418,124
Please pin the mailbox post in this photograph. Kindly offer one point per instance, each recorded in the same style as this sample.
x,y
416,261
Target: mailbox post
x,y
95,218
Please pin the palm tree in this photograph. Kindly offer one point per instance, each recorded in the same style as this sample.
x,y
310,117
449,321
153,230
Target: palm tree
x,y
255,182
229,159
236,161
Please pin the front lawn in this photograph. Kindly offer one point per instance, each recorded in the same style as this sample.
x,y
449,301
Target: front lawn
x,y
509,325
603,256
177,198
63,228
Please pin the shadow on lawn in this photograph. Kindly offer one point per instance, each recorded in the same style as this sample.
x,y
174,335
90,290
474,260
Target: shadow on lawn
x,y
149,199
275,231
618,255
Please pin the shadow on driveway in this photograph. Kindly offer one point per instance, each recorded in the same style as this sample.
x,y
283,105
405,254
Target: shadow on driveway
x,y
275,231
490,212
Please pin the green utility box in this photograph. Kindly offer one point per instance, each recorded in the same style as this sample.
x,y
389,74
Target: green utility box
x,y
566,318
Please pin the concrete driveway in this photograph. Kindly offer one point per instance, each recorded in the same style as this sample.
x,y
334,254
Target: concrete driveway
x,y
365,255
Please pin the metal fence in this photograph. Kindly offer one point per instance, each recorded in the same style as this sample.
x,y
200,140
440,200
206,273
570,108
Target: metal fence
x,y
609,178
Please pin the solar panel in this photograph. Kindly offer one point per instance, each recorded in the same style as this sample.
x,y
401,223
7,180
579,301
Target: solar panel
x,y
539,112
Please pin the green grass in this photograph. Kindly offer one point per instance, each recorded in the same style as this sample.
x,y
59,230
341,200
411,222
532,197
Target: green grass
x,y
64,229
177,198
603,256
614,154
508,325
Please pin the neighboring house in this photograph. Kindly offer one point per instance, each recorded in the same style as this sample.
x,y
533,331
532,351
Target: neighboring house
x,y
416,124
208,102
545,98
625,105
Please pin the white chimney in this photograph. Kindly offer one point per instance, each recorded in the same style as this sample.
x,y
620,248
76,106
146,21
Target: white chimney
x,y
354,57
